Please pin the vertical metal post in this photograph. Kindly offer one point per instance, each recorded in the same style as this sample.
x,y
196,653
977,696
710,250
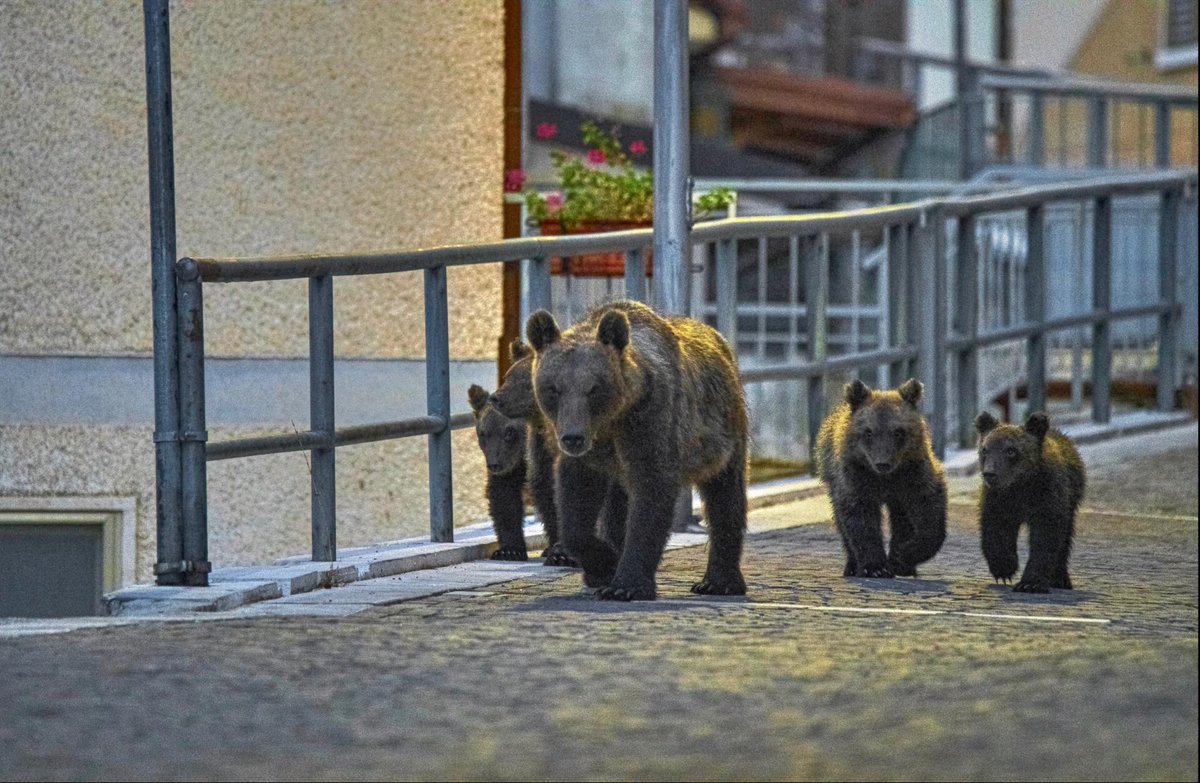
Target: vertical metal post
x,y
1168,322
963,91
1035,307
192,433
437,393
539,284
815,252
1037,130
167,478
635,275
1097,129
1102,303
931,309
1162,134
726,274
914,295
966,322
321,417
672,199
897,297
672,246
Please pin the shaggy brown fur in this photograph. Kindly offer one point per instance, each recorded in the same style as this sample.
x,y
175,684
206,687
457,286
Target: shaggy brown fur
x,y
1031,475
872,451
650,404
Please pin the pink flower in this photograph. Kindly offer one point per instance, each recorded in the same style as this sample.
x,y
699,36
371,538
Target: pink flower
x,y
547,130
514,180
554,202
638,148
596,156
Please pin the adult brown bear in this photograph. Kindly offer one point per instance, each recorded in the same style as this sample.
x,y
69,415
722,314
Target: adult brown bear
x,y
650,404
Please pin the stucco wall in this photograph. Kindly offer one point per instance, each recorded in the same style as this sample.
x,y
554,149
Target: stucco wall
x,y
300,125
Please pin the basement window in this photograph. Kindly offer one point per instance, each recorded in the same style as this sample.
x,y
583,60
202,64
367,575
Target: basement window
x,y
58,563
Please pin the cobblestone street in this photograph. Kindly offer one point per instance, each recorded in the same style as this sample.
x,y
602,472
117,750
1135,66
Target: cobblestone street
x,y
946,676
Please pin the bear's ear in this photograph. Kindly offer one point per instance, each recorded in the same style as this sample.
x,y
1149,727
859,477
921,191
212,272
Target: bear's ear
x,y
985,423
910,391
478,397
856,394
518,350
1037,425
614,330
542,331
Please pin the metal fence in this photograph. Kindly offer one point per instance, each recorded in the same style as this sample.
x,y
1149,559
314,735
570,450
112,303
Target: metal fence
x,y
934,325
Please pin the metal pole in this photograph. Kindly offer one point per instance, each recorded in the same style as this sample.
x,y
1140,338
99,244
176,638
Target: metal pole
x,y
1168,322
726,274
1162,134
930,304
815,252
192,432
1037,130
539,284
1102,302
321,417
966,296
437,393
1097,129
168,568
962,91
635,275
897,297
672,201
1035,308
672,246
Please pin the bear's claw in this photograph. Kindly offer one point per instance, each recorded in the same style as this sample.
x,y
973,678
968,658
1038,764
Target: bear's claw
x,y
619,593
510,554
1031,586
875,572
557,556
720,586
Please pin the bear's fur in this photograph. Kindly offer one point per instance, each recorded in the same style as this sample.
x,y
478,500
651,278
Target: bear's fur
x,y
1031,475
515,453
650,404
872,451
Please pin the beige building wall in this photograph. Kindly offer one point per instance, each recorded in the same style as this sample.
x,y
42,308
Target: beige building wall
x,y
300,125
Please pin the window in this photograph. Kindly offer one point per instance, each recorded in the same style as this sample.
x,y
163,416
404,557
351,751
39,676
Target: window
x,y
1177,35
58,556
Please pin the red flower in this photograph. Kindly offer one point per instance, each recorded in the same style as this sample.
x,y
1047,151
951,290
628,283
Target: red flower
x,y
596,156
638,148
514,180
547,130
554,202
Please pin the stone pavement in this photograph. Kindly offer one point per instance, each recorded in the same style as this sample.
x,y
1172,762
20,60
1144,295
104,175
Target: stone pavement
x,y
947,676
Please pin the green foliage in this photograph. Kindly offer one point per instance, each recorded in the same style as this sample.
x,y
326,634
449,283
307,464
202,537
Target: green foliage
x,y
606,186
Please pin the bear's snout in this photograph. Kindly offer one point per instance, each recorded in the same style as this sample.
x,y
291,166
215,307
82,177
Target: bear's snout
x,y
883,468
573,443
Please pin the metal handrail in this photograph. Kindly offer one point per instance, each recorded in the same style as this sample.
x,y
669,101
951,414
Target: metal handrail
x,y
1091,88
920,337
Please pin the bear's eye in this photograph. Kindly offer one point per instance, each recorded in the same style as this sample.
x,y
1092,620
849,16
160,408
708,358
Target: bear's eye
x,y
1011,451
899,433
868,433
510,436
592,391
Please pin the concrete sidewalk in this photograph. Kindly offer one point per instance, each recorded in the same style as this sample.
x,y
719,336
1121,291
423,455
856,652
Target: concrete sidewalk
x,y
812,676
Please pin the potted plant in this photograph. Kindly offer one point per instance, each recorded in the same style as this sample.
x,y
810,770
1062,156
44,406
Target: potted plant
x,y
602,191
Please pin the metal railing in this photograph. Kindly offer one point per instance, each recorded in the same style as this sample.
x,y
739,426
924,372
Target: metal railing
x,y
924,336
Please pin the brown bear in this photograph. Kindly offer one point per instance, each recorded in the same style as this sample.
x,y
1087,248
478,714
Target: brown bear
x,y
649,404
515,452
874,450
1031,475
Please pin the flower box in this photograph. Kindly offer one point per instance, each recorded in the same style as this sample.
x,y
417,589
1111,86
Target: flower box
x,y
595,264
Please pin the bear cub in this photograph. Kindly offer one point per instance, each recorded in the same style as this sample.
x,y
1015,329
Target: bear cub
x,y
874,450
1031,475
515,451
